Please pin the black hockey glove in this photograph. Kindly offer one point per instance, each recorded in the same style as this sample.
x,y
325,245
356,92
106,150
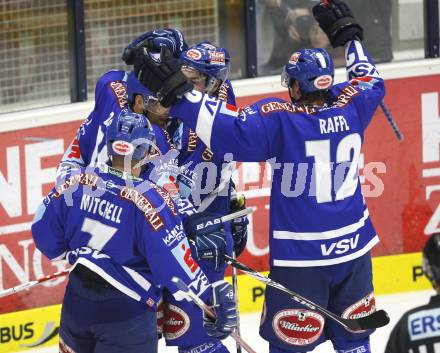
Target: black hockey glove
x,y
153,41
337,21
165,78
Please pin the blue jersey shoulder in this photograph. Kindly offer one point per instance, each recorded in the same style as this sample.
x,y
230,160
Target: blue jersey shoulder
x,y
112,85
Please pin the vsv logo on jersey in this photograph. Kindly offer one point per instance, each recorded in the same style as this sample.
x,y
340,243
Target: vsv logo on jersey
x,y
362,69
341,246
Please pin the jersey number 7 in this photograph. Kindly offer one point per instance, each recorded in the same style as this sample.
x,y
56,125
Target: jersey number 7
x,y
100,233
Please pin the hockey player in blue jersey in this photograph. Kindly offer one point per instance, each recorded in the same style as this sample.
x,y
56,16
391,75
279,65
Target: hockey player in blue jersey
x,y
125,241
117,90
320,230
207,67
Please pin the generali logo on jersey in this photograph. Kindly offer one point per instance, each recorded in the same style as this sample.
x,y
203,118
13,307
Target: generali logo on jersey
x,y
362,308
298,327
176,322
151,214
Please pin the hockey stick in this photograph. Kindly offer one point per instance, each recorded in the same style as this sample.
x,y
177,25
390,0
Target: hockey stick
x,y
241,213
392,122
208,311
235,291
30,284
375,320
226,218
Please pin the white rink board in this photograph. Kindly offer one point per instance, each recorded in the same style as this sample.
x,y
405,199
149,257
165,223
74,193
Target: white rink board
x,y
395,305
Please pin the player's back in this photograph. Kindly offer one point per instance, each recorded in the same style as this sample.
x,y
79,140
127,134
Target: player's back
x,y
92,204
124,229
318,215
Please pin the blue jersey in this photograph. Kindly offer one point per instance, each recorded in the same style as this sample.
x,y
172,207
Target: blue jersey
x,y
317,211
124,229
89,146
207,191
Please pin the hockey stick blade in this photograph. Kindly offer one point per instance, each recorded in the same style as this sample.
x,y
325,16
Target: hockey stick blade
x,y
199,302
375,320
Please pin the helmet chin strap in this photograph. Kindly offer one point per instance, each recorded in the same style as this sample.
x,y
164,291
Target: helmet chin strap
x,y
292,98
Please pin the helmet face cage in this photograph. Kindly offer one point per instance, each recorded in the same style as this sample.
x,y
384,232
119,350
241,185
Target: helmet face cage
x,y
312,68
208,60
285,79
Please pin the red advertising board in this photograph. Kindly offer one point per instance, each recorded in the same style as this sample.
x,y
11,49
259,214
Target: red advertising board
x,y
400,180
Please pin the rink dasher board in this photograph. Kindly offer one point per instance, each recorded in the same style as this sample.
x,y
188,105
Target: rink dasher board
x,y
243,88
28,329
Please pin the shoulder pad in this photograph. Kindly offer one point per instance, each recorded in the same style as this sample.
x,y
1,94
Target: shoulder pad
x,y
113,82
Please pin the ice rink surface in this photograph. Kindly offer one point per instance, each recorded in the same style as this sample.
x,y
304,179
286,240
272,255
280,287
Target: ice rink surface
x,y
395,305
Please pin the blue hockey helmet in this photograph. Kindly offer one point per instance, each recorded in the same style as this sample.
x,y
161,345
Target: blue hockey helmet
x,y
209,60
312,68
129,134
134,87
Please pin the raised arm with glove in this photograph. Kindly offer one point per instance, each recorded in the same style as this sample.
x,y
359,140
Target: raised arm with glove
x,y
164,78
153,41
337,21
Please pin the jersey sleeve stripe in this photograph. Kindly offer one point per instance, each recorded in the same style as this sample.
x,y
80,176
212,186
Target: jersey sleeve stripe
x,y
205,120
329,234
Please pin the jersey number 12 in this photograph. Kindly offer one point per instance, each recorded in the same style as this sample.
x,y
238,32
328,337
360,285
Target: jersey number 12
x,y
320,151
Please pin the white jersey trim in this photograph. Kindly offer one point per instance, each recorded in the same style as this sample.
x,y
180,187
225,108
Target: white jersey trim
x,y
138,278
225,180
313,263
98,270
329,234
205,119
